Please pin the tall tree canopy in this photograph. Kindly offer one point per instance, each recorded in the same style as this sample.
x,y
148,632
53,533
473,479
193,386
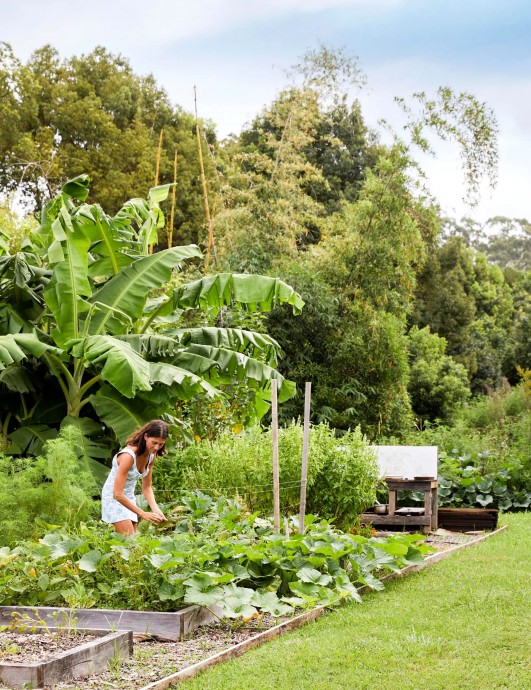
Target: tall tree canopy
x,y
93,114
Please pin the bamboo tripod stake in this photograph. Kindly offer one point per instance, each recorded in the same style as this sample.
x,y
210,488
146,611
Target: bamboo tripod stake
x,y
305,444
173,192
274,437
211,244
157,166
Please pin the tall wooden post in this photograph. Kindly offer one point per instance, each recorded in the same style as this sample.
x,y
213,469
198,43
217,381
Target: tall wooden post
x,y
305,445
274,436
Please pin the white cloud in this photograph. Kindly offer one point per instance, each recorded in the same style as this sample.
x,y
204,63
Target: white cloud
x,y
129,25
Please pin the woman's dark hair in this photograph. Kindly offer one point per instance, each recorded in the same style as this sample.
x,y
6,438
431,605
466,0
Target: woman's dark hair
x,y
156,427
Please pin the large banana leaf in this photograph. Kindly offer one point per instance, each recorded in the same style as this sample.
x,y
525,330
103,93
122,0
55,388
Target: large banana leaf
x,y
29,440
92,445
16,347
121,366
123,416
17,378
128,291
111,247
66,292
237,364
254,344
218,364
185,384
4,241
117,362
21,290
254,291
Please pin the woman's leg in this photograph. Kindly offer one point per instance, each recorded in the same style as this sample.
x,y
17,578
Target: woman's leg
x,y
125,526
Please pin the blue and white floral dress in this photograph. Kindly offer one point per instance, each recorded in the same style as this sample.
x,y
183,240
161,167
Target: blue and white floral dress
x,y
111,510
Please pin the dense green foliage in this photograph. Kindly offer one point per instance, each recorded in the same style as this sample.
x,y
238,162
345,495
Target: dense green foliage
x,y
91,113
307,193
52,489
484,455
91,331
212,554
342,474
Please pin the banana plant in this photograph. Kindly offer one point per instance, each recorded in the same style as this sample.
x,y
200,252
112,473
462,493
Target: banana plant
x,y
90,332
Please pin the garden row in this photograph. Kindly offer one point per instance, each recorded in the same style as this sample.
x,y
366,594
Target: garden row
x,y
211,553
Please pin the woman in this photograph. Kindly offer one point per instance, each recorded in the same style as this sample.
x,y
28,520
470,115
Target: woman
x,y
118,504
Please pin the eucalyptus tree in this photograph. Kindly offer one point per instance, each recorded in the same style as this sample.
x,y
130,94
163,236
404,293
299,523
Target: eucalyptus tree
x,y
91,326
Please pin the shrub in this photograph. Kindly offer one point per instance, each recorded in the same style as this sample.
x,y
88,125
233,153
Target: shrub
x,y
342,475
53,488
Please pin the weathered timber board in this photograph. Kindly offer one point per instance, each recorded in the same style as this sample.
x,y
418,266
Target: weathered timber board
x,y
83,660
173,625
467,519
404,520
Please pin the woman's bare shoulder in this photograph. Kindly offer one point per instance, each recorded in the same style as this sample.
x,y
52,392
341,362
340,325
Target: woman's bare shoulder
x,y
127,452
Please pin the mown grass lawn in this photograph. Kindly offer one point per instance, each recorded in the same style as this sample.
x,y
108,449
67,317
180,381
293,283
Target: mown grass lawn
x,y
462,624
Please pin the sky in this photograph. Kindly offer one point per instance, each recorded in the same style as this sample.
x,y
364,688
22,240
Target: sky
x,y
236,53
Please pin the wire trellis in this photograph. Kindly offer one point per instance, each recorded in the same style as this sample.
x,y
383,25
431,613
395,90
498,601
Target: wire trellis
x,y
236,489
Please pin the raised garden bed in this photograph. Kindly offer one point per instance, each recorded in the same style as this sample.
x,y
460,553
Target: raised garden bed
x,y
173,625
468,519
77,662
214,644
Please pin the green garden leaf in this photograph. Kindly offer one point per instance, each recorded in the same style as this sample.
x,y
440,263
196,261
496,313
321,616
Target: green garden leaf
x,y
253,291
170,592
484,499
118,363
268,602
313,576
89,561
306,590
159,559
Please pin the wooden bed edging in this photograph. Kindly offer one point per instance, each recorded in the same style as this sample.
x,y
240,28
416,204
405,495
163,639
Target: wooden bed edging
x,y
260,638
168,625
85,659
236,650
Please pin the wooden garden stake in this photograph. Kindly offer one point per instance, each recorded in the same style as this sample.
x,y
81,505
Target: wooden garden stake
x,y
286,527
305,443
274,436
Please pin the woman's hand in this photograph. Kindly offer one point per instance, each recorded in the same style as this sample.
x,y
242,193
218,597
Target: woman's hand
x,y
156,517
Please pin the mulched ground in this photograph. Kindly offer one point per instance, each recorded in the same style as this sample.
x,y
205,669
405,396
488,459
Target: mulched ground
x,y
25,648
152,660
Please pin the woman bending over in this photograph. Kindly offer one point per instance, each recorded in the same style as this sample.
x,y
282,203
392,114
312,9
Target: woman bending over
x,y
134,461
